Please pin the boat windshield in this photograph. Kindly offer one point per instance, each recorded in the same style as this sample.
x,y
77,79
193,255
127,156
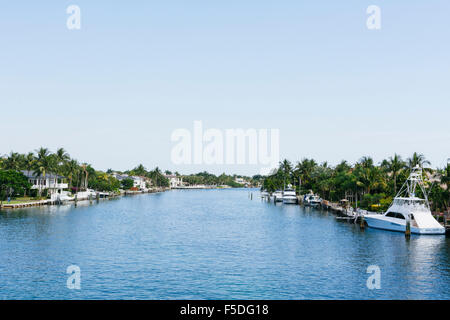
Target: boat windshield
x,y
409,201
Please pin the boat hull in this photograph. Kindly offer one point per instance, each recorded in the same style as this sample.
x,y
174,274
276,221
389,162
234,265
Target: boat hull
x,y
312,204
400,226
290,200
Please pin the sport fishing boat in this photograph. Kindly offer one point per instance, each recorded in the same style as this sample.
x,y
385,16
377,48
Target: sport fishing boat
x,y
278,196
289,196
408,207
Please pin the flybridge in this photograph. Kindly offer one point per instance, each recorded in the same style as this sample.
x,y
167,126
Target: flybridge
x,y
407,193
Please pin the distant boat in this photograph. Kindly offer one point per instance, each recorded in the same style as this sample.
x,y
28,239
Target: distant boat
x,y
407,206
86,195
64,196
278,196
312,200
289,196
264,194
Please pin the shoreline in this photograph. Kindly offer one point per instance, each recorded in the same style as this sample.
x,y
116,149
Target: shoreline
x,y
99,196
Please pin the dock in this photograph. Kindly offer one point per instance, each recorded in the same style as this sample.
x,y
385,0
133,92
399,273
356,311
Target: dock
x,y
446,224
336,208
25,204
81,196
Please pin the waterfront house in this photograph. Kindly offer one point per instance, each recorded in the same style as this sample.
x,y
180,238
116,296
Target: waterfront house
x,y
51,182
139,183
175,181
242,181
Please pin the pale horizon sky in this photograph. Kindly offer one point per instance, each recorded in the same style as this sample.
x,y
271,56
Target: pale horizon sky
x,y
113,92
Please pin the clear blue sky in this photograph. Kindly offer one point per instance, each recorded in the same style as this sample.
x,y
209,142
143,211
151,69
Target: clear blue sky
x,y
113,92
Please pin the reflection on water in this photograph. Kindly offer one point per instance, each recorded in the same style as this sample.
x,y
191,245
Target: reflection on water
x,y
210,244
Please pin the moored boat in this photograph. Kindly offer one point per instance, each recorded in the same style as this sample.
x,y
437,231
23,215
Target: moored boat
x,y
408,207
289,195
278,196
312,200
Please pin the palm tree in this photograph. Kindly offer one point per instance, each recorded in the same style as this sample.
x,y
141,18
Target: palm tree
x,y
86,174
304,170
13,162
61,157
43,165
366,162
30,160
366,173
71,170
286,169
446,176
140,170
157,176
394,166
417,160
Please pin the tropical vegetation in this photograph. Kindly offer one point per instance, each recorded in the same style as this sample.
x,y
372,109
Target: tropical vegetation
x,y
365,184
79,176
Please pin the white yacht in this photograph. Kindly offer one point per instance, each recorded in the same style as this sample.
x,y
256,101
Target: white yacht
x,y
264,194
278,196
312,200
407,206
63,196
289,196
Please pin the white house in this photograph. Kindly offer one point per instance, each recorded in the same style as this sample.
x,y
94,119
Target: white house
x,y
175,181
242,181
52,182
138,182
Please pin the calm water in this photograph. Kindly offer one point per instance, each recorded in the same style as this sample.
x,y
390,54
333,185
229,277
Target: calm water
x,y
210,244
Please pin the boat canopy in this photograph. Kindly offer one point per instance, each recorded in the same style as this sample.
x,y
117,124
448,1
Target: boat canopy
x,y
407,193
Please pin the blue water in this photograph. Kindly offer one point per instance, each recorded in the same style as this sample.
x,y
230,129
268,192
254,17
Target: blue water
x,y
210,244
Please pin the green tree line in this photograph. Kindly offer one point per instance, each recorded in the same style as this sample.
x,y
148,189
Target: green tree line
x,y
78,175
372,185
206,178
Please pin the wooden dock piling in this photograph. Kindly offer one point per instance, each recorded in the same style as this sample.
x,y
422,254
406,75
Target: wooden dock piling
x,y
362,224
447,223
408,229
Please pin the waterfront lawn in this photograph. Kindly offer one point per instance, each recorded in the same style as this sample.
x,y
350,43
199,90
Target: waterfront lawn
x,y
23,200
